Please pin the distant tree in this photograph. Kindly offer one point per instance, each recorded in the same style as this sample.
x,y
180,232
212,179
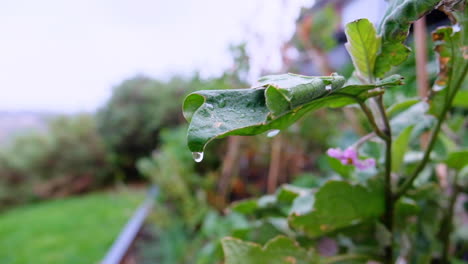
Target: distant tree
x,y
138,109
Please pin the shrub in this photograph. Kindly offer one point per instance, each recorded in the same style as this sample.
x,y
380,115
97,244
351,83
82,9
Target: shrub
x,y
131,120
69,158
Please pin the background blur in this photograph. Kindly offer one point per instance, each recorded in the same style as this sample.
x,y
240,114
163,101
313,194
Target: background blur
x,y
90,116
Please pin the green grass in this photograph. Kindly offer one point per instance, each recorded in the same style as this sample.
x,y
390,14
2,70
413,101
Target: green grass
x,y
73,230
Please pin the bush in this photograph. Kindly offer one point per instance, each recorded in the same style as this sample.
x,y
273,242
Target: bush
x,y
130,122
69,158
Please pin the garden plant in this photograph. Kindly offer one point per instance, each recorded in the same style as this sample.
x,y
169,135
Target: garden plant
x,y
393,205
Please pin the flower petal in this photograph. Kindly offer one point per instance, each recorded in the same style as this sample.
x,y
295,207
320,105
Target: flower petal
x,y
350,153
335,153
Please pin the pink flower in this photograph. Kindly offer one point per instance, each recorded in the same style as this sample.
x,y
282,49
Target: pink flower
x,y
350,157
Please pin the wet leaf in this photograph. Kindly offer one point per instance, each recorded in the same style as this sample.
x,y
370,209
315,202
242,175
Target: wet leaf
x,y
278,103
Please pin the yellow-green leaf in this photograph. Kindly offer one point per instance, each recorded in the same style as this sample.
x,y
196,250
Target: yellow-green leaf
x,y
363,46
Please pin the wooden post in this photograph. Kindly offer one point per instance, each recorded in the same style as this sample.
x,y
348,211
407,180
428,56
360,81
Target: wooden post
x,y
421,70
420,33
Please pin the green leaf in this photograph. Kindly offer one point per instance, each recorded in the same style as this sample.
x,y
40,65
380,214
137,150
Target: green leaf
x,y
339,204
404,208
457,159
279,250
247,206
461,99
363,46
278,103
414,115
399,147
394,29
343,170
271,203
401,106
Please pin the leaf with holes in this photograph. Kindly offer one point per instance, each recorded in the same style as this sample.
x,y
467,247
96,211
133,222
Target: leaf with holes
x,y
394,29
451,47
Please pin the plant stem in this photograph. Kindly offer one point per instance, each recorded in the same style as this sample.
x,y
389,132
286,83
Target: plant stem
x,y
407,184
363,139
371,118
389,201
386,135
446,226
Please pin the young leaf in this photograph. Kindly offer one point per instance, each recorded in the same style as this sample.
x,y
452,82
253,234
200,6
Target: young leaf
x,y
339,204
363,46
399,147
279,250
394,29
278,103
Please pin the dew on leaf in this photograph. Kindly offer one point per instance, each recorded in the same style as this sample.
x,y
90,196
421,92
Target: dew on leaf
x,y
197,156
273,133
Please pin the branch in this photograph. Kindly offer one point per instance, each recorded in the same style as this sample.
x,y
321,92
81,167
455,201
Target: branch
x,y
407,184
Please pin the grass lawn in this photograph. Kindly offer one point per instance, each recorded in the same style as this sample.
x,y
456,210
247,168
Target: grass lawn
x,y
73,230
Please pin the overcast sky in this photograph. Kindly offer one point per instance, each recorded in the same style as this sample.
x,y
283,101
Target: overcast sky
x,y
60,55
66,55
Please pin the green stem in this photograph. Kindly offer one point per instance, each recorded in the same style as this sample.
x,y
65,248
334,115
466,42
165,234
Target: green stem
x,y
446,226
386,135
409,181
371,118
389,201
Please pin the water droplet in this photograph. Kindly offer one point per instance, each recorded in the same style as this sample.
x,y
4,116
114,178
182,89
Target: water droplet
x,y
273,133
197,156
328,87
438,87
209,106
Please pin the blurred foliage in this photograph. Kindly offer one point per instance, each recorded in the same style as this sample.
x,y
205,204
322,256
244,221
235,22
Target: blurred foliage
x,y
316,29
69,158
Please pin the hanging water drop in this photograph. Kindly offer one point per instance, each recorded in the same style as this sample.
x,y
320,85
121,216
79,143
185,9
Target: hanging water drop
x,y
197,156
273,133
328,87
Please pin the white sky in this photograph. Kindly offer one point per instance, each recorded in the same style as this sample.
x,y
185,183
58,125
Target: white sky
x,y
65,55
